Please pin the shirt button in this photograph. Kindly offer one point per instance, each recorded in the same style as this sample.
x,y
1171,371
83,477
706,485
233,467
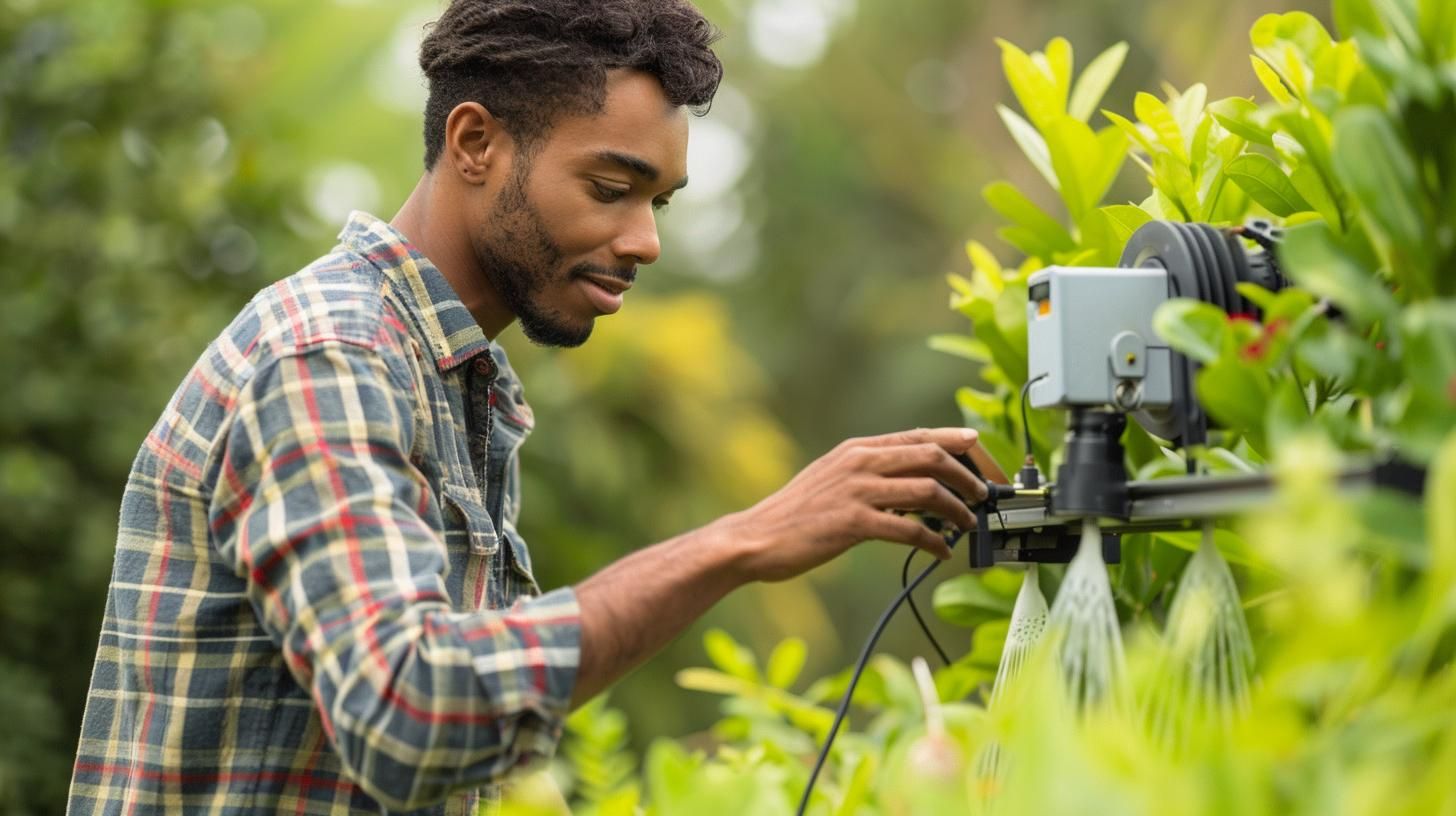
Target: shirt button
x,y
483,365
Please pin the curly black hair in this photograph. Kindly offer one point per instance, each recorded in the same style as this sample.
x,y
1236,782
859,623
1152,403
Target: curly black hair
x,y
531,61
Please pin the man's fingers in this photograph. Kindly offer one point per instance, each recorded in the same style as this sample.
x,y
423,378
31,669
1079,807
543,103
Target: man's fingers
x,y
889,527
930,460
955,440
925,495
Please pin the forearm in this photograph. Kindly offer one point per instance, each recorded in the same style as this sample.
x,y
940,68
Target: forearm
x,y
633,607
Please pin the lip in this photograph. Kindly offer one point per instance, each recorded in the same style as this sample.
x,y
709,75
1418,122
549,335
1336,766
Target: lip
x,y
604,293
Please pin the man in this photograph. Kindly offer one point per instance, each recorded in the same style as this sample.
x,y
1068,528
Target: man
x,y
320,602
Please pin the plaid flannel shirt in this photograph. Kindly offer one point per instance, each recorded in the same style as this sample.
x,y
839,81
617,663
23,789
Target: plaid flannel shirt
x,y
315,604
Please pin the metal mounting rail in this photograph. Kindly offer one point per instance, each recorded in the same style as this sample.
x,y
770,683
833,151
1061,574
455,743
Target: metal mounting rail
x,y
1022,528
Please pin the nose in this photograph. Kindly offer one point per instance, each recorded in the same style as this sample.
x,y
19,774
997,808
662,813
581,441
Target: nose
x,y
639,241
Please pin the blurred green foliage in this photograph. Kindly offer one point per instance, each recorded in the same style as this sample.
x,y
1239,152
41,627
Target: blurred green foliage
x,y
161,160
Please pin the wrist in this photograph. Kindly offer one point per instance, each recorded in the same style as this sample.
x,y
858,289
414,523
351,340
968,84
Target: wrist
x,y
738,547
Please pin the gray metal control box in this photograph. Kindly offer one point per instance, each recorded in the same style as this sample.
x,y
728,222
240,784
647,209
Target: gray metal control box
x,y
1090,339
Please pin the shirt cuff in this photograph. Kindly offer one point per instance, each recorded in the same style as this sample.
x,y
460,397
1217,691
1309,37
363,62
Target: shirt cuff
x,y
547,634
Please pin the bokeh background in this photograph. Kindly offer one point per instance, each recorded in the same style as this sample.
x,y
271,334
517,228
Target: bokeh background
x,y
162,160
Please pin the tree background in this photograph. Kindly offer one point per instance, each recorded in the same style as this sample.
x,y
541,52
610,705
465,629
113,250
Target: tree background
x,y
162,160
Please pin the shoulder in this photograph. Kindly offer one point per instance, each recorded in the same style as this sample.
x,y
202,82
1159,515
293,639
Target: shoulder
x,y
339,299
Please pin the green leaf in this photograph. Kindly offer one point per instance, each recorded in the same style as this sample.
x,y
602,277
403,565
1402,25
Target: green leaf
x,y
1312,187
1008,357
1376,167
1073,147
1092,85
1187,107
1131,130
1271,82
1236,395
988,407
1288,413
1265,182
1292,39
1352,16
1316,261
1240,117
985,263
1058,59
1175,181
1153,113
1104,170
1441,520
728,655
786,661
960,345
1230,545
1192,327
1035,89
1124,220
965,601
1015,207
1031,143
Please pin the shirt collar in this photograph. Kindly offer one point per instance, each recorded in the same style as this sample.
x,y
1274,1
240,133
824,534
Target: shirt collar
x,y
449,329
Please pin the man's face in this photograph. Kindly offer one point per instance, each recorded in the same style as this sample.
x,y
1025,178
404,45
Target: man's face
x,y
564,235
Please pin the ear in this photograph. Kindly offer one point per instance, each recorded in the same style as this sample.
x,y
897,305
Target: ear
x,y
474,142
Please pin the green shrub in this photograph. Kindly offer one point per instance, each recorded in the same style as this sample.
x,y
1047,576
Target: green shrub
x,y
1351,601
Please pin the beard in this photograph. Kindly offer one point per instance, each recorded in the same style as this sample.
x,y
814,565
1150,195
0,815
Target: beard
x,y
522,261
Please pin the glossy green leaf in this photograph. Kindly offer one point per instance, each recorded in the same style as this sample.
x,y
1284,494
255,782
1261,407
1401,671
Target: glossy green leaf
x,y
1124,220
1288,412
1240,116
1265,182
1192,327
1155,114
1271,82
1236,396
1312,188
1035,89
728,655
1131,130
1441,520
1075,151
1187,107
1233,547
785,662
1175,181
965,601
1015,207
1058,63
1375,165
960,345
1314,258
1353,16
1096,78
1031,143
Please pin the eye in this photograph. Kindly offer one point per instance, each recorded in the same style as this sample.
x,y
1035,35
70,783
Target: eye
x,y
608,194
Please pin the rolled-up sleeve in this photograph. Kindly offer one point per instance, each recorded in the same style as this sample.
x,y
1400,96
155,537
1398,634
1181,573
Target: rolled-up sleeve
x,y
318,506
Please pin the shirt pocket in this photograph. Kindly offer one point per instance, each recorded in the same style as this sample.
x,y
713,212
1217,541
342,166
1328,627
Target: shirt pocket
x,y
523,579
469,529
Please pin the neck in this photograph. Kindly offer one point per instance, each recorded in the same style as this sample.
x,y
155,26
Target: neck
x,y
431,218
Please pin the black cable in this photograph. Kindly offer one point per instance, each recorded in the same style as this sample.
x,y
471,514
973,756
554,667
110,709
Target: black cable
x,y
910,599
864,658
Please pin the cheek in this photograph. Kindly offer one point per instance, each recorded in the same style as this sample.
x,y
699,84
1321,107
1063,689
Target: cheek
x,y
577,225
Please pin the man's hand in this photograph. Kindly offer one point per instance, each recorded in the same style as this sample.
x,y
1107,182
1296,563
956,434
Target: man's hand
x,y
634,606
846,496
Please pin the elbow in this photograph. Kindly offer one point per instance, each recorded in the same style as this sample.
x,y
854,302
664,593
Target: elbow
x,y
407,757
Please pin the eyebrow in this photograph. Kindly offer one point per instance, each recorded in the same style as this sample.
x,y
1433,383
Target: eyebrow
x,y
637,165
